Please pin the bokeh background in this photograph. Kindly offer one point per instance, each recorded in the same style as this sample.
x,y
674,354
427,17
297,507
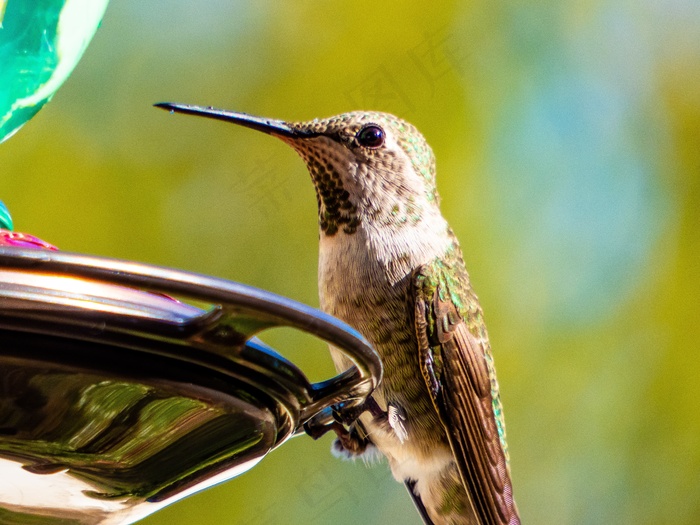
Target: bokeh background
x,y
568,143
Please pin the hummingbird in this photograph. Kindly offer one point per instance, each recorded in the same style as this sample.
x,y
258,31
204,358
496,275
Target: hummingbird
x,y
391,267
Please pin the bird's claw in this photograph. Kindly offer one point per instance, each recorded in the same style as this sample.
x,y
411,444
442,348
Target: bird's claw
x,y
348,443
346,416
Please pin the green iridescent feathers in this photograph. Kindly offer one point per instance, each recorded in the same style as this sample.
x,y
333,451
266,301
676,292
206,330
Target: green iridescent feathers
x,y
446,278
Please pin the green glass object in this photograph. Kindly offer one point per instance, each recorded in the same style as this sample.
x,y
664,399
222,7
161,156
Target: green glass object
x,y
41,41
5,219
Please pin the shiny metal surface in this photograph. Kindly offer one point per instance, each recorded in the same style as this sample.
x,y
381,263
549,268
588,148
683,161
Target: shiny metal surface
x,y
125,387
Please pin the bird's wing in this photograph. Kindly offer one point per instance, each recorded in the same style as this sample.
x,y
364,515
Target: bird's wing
x,y
457,367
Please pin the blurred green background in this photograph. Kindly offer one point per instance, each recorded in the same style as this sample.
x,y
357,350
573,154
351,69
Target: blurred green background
x,y
568,145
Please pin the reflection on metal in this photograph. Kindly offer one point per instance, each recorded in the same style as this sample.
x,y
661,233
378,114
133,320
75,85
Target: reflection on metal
x,y
125,387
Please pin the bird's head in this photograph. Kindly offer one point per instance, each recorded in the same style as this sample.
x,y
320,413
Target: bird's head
x,y
369,168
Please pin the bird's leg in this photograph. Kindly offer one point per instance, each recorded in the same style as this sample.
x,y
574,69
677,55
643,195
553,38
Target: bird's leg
x,y
352,441
349,443
343,416
346,416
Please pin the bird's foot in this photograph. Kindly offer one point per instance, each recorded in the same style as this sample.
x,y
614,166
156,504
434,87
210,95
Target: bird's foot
x,y
350,444
346,416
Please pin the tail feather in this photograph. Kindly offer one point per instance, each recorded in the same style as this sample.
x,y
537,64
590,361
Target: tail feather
x,y
442,499
422,511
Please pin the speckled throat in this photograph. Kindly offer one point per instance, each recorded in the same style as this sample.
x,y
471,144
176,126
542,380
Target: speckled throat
x,y
335,208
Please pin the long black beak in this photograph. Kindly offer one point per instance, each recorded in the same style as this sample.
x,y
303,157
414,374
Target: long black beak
x,y
270,126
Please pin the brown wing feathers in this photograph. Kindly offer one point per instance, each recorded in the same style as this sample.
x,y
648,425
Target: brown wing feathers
x,y
454,367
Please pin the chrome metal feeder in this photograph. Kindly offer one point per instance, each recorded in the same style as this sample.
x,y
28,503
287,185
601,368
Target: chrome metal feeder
x,y
125,387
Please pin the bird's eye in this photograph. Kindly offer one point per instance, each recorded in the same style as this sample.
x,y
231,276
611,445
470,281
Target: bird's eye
x,y
371,136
